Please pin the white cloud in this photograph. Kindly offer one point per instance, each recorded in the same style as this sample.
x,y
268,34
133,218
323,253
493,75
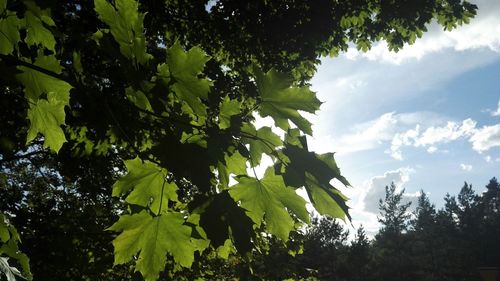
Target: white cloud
x,y
417,129
486,138
482,139
401,139
482,32
367,135
466,167
432,149
374,133
376,187
431,136
452,131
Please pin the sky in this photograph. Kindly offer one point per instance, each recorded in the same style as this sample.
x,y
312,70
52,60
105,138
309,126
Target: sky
x,y
426,118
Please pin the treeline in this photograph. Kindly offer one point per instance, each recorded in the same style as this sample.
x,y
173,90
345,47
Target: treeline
x,y
62,222
450,243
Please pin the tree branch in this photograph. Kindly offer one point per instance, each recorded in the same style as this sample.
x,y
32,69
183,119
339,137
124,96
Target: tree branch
x,y
18,157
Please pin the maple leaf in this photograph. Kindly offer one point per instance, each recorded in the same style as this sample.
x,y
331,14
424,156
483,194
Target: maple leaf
x,y
37,83
228,107
146,185
185,68
281,100
315,172
138,98
35,20
126,26
153,238
46,117
261,141
9,33
233,164
269,199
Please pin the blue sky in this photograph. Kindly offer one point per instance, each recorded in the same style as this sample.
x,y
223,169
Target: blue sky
x,y
427,117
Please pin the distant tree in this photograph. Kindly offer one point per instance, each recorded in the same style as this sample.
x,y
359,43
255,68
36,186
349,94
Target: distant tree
x,y
325,250
424,240
390,245
489,208
359,259
394,215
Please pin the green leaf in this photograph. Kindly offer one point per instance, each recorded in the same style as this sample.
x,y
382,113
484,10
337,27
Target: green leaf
x,y
10,272
36,32
4,230
228,108
43,15
325,199
281,100
146,184
152,238
315,172
3,6
138,98
9,246
46,117
234,164
126,26
224,250
261,141
185,68
222,218
9,33
270,200
37,83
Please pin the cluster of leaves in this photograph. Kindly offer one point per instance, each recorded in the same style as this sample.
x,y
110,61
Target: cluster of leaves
x,y
102,78
174,97
9,248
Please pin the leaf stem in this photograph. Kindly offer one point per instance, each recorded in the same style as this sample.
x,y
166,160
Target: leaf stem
x,y
161,195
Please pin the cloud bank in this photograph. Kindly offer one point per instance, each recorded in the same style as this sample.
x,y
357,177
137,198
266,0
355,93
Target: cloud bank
x,y
376,187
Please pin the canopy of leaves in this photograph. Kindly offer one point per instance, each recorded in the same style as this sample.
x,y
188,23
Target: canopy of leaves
x,y
171,90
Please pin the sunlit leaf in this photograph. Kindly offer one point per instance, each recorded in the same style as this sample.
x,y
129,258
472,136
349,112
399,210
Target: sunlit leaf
x,y
270,200
146,185
46,117
282,101
151,239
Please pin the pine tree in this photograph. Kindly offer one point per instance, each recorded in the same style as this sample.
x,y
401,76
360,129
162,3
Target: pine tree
x,y
390,243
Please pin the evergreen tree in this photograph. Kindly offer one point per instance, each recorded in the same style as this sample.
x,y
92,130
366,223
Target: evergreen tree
x,y
489,208
424,240
325,250
391,247
360,257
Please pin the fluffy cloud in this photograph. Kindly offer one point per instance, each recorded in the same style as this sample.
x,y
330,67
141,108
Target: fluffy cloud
x,y
486,138
466,167
376,187
401,139
367,135
482,32
374,133
482,139
431,136
452,131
